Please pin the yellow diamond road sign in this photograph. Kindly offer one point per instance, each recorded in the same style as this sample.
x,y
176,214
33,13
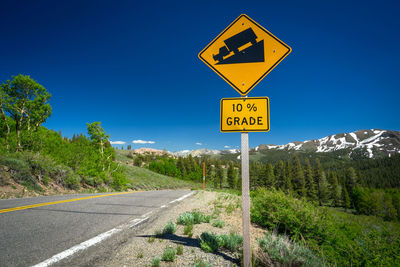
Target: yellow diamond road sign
x,y
244,114
244,53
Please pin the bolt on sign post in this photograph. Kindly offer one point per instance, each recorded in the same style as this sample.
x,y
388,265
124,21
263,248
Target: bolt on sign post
x,y
243,54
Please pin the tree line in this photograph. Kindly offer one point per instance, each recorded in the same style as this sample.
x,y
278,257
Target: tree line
x,y
346,186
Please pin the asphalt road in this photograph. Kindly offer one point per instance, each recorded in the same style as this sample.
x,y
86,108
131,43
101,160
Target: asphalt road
x,y
31,236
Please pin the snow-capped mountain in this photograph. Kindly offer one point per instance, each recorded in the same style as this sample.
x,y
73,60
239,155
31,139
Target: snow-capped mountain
x,y
204,151
374,142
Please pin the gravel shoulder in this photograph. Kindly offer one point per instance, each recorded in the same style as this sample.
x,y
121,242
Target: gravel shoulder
x,y
144,246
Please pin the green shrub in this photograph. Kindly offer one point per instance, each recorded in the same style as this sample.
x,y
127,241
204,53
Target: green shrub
x,y
201,263
194,217
179,250
155,262
277,211
340,238
20,169
230,208
151,239
207,218
188,229
198,217
186,218
169,254
209,242
170,228
218,223
279,250
119,181
72,181
231,242
140,255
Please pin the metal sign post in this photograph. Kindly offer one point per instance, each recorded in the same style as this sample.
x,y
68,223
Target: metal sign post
x,y
243,54
246,200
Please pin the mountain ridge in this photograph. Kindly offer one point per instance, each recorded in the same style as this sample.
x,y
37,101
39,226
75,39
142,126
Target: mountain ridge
x,y
371,142
374,142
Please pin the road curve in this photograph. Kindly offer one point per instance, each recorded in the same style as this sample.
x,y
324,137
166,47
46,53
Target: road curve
x,y
35,234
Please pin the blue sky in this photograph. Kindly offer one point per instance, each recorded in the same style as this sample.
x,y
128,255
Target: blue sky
x,y
133,66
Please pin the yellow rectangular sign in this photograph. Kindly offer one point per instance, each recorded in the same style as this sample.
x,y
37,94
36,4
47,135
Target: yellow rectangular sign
x,y
245,114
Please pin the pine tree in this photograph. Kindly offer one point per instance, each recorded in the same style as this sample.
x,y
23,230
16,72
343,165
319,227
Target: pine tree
x,y
255,175
287,178
279,172
268,176
209,168
346,198
239,180
323,185
219,173
298,180
231,176
181,167
335,190
351,179
310,184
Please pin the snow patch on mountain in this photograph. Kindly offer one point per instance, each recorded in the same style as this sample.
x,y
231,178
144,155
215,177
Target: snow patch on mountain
x,y
370,140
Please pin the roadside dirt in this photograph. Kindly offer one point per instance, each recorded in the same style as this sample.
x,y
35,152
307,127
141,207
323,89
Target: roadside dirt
x,y
144,247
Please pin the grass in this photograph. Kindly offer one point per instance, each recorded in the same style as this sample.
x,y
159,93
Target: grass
x,y
211,242
151,239
186,218
281,251
140,255
218,223
201,263
155,262
170,228
188,230
122,155
231,242
169,254
193,217
142,178
179,250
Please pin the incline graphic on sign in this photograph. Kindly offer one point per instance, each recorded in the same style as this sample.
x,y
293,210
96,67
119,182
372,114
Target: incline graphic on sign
x,y
253,53
244,53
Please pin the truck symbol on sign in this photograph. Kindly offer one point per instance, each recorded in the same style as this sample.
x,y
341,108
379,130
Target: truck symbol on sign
x,y
251,54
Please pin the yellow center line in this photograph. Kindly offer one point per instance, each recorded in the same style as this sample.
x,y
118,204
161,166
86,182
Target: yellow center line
x,y
58,202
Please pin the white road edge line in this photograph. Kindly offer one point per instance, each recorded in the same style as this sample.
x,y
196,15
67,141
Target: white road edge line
x,y
97,239
181,198
147,214
74,249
